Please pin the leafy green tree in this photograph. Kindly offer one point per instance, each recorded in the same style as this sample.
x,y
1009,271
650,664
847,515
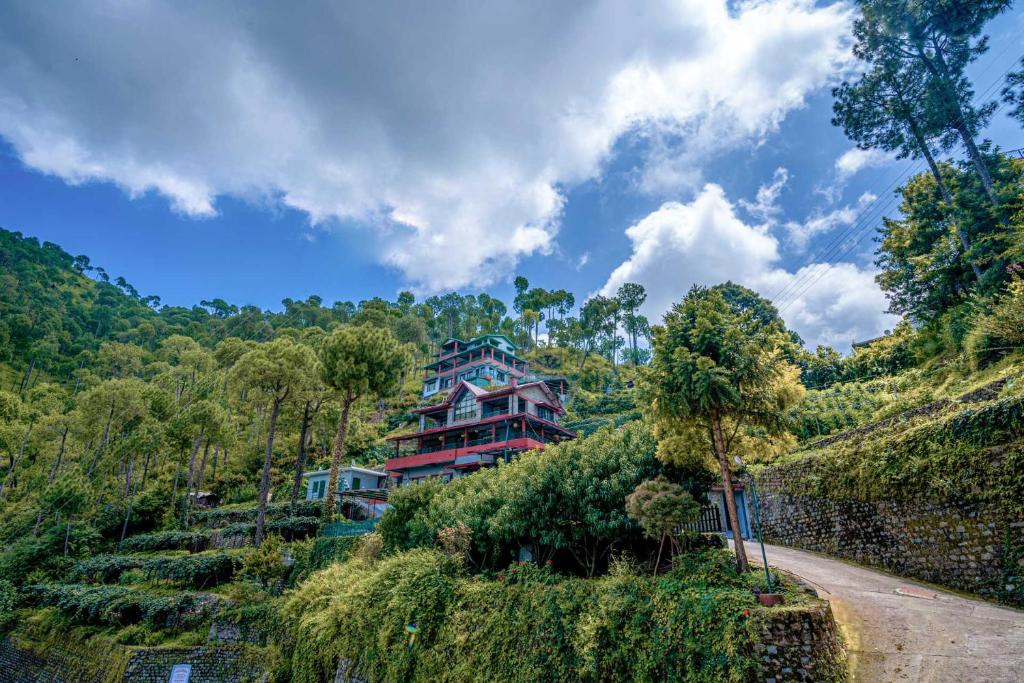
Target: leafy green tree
x,y
1013,93
717,369
663,509
274,371
631,297
941,37
357,362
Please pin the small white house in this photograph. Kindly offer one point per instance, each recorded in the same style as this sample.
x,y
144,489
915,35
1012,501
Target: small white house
x,y
351,478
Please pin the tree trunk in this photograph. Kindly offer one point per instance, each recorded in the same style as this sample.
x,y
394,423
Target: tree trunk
x,y
191,474
942,73
947,196
730,498
103,442
202,467
15,461
336,453
145,471
300,458
55,470
67,536
261,514
28,375
131,499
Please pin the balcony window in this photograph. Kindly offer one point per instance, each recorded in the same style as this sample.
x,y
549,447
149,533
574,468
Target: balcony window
x,y
466,408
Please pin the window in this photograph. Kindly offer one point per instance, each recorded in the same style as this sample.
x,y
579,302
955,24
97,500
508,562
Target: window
x,y
356,483
545,413
317,490
522,405
465,409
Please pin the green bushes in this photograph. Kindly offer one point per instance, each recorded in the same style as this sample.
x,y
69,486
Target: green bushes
x,y
289,528
120,606
8,603
167,540
104,568
222,517
197,571
972,454
567,502
689,625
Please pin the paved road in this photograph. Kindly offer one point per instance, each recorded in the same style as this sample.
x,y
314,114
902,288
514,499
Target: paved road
x,y
898,630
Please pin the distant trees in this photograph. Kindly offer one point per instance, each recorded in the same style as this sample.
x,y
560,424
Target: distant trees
x,y
718,376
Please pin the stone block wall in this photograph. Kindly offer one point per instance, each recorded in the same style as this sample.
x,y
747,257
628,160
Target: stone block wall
x,y
22,663
966,545
799,644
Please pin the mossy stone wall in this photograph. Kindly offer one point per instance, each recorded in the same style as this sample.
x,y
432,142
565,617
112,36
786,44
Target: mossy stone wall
x,y
974,546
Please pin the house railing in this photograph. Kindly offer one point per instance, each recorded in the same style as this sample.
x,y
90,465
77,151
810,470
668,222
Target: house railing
x,y
335,529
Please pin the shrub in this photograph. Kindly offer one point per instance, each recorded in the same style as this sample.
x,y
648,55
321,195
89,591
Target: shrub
x,y
104,568
8,603
167,540
198,571
119,605
266,563
688,625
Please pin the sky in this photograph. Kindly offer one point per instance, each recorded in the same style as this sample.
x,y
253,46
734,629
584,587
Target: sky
x,y
259,151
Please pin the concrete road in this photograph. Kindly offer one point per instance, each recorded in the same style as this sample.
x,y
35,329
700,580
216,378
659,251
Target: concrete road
x,y
899,630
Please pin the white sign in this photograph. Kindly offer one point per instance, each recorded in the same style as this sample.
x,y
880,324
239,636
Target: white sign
x,y
180,673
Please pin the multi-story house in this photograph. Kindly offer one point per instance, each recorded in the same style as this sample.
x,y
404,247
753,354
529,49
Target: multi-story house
x,y
486,360
491,414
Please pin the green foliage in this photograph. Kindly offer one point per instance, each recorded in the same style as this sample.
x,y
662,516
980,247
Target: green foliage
x,y
661,507
974,453
104,568
8,603
167,540
567,499
120,605
221,517
689,625
1001,330
266,563
196,571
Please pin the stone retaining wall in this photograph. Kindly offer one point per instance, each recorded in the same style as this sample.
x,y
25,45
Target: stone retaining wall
x,y
966,545
800,644
20,662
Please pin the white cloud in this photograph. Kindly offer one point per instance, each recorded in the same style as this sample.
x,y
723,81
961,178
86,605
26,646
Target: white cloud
x,y
765,206
583,260
855,160
450,130
705,242
821,222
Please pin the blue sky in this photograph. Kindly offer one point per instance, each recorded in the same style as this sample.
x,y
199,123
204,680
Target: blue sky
x,y
239,153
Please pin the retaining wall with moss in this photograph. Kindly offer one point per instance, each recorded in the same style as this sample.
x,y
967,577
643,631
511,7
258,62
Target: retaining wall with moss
x,y
974,545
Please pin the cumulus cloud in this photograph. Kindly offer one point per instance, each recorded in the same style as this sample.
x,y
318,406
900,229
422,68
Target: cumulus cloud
x,y
705,242
852,161
821,222
450,130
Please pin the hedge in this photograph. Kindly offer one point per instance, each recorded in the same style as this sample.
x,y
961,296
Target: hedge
x,y
120,605
692,624
289,528
198,571
222,517
104,568
167,540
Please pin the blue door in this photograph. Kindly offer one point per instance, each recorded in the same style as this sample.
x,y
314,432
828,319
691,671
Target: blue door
x,y
741,513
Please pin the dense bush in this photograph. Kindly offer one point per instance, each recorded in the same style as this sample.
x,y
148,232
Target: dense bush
x,y
693,624
198,571
104,568
289,528
974,453
8,603
566,502
167,540
119,605
221,517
